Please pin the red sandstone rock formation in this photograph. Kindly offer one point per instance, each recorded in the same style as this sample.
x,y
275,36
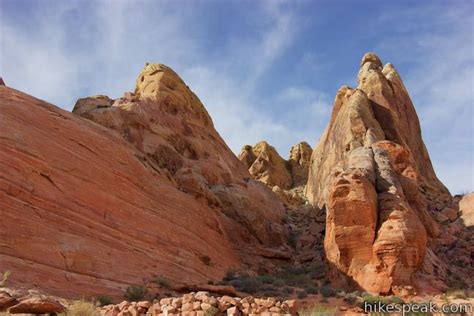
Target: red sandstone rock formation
x,y
90,210
373,174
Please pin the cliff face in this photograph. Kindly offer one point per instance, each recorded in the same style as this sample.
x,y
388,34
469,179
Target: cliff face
x,y
396,115
167,122
149,191
372,172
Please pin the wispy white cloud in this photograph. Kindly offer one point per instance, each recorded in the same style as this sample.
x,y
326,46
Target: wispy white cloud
x,y
119,37
64,50
437,44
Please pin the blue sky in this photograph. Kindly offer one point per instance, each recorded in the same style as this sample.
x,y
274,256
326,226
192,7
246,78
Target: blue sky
x,y
264,69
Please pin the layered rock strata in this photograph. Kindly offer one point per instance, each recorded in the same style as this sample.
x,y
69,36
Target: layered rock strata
x,y
372,173
138,187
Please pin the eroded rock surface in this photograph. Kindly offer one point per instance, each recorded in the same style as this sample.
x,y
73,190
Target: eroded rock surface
x,y
300,156
149,193
373,174
286,178
266,165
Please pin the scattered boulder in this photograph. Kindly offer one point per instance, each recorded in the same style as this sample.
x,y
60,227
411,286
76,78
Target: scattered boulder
x,y
37,305
88,104
6,300
202,303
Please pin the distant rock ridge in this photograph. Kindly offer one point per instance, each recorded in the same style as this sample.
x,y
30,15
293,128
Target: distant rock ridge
x,y
266,165
372,173
287,178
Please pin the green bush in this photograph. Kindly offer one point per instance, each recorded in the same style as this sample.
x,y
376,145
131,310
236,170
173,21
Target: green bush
x,y
457,293
302,294
231,275
103,300
327,291
135,292
288,290
350,299
162,281
311,289
266,278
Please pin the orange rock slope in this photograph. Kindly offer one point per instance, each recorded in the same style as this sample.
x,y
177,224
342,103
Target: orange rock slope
x,y
90,210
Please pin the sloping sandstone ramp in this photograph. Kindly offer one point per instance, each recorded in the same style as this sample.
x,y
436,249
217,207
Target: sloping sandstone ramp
x,y
82,213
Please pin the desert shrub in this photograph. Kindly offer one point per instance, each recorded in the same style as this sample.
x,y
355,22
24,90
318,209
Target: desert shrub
x,y
318,310
211,311
294,276
288,290
5,276
135,292
162,281
302,294
272,293
206,260
248,285
279,282
350,298
230,275
374,299
103,300
311,289
327,291
316,270
357,293
457,293
266,278
81,308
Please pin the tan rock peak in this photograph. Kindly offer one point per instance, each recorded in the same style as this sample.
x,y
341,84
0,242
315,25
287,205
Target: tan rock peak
x,y
161,84
371,57
154,77
269,167
263,147
300,156
301,152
